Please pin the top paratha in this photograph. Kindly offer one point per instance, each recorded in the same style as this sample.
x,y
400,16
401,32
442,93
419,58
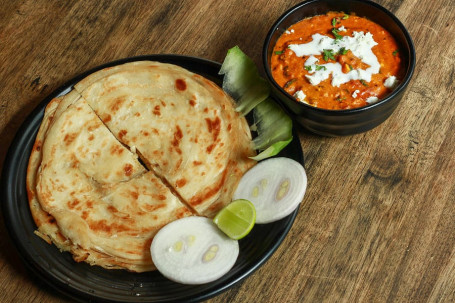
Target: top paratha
x,y
184,127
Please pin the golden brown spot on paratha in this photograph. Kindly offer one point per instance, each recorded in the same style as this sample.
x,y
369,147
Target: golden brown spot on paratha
x,y
84,215
155,131
69,138
180,84
206,110
122,133
134,194
180,182
128,169
210,148
145,133
229,127
178,135
156,152
196,163
92,127
103,225
192,103
116,150
137,114
117,104
208,192
163,103
154,207
91,137
72,204
214,127
112,209
157,110
106,118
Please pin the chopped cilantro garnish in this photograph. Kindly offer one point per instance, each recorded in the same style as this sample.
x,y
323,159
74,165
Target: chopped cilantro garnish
x,y
363,82
307,67
334,21
395,52
328,54
345,16
319,67
278,52
335,33
342,51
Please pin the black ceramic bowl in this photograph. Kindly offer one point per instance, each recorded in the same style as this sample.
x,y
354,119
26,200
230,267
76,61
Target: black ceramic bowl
x,y
351,121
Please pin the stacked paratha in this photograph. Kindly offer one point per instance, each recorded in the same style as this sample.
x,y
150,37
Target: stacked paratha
x,y
128,150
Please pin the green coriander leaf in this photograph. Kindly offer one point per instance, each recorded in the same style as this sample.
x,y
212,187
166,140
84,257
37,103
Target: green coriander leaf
x,y
335,33
319,67
307,67
278,52
345,16
342,51
395,52
363,82
334,21
328,54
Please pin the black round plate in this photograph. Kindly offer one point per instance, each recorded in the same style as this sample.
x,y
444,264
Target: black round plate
x,y
83,282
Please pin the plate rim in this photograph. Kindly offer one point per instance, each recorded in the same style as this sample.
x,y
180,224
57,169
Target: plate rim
x,y
25,131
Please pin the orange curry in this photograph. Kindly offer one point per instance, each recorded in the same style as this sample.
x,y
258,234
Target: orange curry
x,y
291,72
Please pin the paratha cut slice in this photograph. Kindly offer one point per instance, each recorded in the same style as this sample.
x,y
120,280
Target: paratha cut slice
x,y
91,196
183,126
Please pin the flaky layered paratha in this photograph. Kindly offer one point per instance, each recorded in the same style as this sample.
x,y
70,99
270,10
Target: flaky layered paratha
x,y
91,195
183,125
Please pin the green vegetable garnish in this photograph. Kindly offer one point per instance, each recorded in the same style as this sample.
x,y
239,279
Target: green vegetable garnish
x,y
342,51
335,33
395,52
278,52
328,54
319,67
274,129
334,21
345,16
307,67
363,82
242,81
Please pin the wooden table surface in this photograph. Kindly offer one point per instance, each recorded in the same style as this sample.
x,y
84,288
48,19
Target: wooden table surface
x,y
377,223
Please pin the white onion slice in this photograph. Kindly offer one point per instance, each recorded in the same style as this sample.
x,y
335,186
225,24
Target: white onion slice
x,y
275,186
193,250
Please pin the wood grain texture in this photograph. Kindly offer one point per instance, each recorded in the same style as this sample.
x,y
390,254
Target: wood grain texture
x,y
378,221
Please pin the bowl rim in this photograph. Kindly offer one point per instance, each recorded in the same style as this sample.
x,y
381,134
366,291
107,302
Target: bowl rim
x,y
399,89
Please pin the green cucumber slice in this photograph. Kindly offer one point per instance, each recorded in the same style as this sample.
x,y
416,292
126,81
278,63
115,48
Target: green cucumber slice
x,y
272,150
273,126
242,81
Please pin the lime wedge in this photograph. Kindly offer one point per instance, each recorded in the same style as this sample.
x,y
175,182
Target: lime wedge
x,y
236,219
